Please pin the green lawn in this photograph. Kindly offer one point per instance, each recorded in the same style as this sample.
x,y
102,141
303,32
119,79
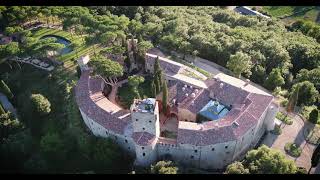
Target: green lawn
x,y
68,58
294,12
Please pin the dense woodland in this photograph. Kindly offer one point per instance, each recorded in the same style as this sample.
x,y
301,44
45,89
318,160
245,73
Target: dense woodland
x,y
277,57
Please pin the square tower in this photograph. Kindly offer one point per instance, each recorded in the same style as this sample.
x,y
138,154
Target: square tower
x,y
145,116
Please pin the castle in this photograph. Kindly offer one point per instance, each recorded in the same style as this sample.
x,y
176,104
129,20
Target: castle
x,y
214,121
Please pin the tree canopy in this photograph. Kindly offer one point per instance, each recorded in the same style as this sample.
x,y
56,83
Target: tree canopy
x,y
40,104
240,63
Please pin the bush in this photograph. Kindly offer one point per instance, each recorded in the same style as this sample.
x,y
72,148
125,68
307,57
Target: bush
x,y
292,149
314,116
284,103
277,130
301,170
285,119
40,104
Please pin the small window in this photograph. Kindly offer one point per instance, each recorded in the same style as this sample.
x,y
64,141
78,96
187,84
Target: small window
x,y
128,147
195,151
227,152
186,120
107,133
143,128
191,157
149,121
126,141
226,147
212,149
136,119
115,137
143,154
142,147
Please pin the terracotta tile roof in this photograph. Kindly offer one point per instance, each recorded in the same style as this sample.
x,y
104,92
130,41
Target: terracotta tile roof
x,y
88,94
246,109
143,138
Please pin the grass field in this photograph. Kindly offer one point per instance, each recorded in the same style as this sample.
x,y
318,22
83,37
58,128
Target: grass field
x,y
290,14
69,59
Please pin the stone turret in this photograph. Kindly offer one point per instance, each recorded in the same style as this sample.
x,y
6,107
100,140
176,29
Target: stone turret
x,y
146,130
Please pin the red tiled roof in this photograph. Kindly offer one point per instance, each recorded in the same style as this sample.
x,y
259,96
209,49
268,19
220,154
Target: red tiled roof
x,y
87,86
143,138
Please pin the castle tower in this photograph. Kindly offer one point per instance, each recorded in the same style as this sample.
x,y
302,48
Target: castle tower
x,y
146,130
270,116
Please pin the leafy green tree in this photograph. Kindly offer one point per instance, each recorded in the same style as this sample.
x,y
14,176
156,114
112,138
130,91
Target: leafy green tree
x,y
236,168
157,84
40,104
164,96
5,89
106,156
308,94
157,75
107,69
314,116
134,82
274,79
53,149
164,167
15,150
312,76
240,63
143,47
8,125
268,161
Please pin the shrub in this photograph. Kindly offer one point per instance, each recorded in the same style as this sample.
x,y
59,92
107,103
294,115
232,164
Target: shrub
x,y
277,130
285,119
40,104
314,116
301,170
292,149
284,102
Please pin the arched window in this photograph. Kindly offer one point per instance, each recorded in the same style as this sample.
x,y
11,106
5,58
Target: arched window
x,y
143,154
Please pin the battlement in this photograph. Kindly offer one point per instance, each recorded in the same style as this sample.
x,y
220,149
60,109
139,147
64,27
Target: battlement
x,y
144,106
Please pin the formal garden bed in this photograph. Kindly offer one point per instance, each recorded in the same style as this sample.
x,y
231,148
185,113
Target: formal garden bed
x,y
285,119
292,149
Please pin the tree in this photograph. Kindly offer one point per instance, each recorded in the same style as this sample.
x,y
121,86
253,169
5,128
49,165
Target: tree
x,y
315,158
134,82
8,125
308,94
240,63
53,148
107,69
265,160
5,89
153,89
157,74
164,167
274,79
314,116
236,168
164,96
293,100
106,155
40,104
157,84
143,47
312,76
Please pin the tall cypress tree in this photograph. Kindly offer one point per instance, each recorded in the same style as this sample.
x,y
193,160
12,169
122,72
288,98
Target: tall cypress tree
x,y
153,89
164,96
157,84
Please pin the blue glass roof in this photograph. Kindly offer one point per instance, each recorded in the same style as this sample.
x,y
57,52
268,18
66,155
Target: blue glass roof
x,y
214,110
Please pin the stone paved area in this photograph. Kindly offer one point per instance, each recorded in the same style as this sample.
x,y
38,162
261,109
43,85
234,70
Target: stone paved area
x,y
292,133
